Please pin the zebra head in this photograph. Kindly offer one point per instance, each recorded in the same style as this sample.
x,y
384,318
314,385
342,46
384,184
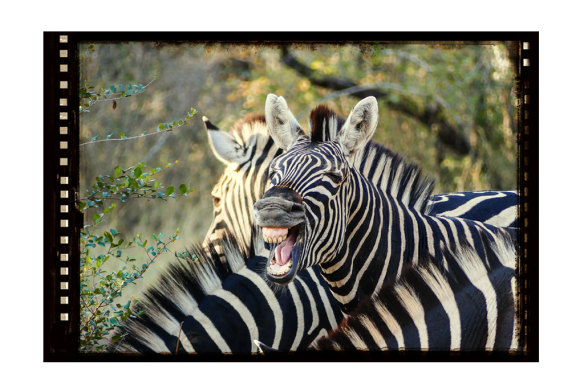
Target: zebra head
x,y
304,213
246,151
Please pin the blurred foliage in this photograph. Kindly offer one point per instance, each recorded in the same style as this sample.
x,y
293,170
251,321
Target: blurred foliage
x,y
469,85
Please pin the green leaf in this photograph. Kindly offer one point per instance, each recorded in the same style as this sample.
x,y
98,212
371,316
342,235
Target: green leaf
x,y
169,190
114,321
183,189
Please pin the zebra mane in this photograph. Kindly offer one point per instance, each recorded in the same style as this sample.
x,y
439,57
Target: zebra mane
x,y
206,269
324,124
249,125
422,289
181,287
386,169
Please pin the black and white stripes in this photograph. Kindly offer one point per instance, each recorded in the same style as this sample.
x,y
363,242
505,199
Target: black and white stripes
x,y
359,235
430,309
221,304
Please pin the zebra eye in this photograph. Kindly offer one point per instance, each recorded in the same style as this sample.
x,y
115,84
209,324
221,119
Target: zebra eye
x,y
334,176
216,201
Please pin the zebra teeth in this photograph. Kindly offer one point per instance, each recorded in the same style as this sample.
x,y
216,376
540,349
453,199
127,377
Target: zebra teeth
x,y
274,234
279,270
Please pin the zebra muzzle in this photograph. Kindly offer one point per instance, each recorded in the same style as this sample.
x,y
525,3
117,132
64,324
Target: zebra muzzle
x,y
281,214
280,207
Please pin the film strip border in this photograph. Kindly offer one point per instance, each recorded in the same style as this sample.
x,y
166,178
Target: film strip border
x,y
61,286
61,182
528,161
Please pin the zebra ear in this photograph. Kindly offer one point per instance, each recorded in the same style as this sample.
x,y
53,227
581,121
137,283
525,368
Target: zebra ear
x,y
282,125
359,127
224,146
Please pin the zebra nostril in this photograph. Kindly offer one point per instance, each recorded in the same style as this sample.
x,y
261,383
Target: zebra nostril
x,y
297,208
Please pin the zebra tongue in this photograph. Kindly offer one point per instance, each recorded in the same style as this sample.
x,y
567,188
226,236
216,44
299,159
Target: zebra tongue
x,y
284,250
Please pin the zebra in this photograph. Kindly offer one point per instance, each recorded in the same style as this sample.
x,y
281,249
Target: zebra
x,y
430,309
211,304
193,297
247,151
320,210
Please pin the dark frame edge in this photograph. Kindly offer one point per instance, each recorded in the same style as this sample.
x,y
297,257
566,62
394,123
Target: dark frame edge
x,y
61,339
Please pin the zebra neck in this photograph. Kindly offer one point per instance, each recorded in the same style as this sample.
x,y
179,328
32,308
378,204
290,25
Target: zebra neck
x,y
375,248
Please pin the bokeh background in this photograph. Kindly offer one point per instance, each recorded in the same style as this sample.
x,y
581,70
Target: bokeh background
x,y
448,107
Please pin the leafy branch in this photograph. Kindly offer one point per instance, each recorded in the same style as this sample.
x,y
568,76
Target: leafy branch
x,y
124,184
89,95
97,322
100,288
162,128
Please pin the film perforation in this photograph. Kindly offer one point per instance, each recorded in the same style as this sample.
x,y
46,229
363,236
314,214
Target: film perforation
x,y
63,179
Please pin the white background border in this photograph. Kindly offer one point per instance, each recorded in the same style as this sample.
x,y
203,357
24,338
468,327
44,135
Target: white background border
x,y
560,153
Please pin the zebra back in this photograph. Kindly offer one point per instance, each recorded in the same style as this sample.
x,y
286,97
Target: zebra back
x,y
498,208
221,304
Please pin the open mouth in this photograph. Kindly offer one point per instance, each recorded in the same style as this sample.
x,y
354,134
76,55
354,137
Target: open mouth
x,y
285,251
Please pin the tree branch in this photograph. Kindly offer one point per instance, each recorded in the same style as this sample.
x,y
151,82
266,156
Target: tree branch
x,y
452,135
